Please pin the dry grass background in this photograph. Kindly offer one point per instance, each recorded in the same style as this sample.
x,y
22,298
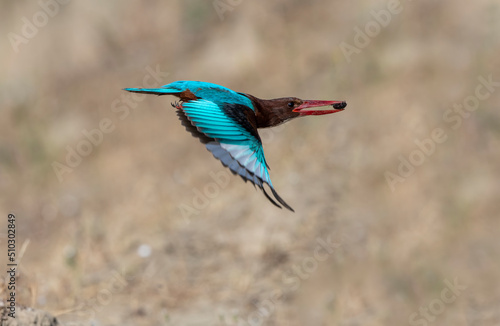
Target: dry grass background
x,y
218,267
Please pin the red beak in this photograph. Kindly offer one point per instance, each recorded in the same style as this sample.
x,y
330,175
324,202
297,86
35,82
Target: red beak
x,y
337,105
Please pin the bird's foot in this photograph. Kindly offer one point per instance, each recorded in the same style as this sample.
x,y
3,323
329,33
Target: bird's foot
x,y
177,105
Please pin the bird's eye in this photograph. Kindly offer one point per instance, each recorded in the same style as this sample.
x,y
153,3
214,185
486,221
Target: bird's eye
x,y
291,104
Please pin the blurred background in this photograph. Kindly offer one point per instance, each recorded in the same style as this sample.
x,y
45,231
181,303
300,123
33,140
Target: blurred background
x,y
118,209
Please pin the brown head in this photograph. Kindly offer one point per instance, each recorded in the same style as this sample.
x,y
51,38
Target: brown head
x,y
270,113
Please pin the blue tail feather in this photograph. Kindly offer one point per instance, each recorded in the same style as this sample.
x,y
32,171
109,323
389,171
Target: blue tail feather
x,y
158,91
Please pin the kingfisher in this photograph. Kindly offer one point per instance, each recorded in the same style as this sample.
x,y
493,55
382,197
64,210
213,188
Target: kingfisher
x,y
227,123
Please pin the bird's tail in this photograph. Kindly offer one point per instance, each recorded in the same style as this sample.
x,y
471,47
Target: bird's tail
x,y
278,198
157,91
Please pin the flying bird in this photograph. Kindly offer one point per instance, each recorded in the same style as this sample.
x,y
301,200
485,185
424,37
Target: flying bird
x,y
227,123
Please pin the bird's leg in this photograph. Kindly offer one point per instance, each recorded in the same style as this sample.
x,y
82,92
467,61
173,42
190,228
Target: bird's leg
x,y
177,105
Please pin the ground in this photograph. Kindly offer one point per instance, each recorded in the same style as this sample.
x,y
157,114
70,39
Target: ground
x,y
122,218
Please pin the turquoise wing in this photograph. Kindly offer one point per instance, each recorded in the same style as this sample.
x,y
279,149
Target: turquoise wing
x,y
236,145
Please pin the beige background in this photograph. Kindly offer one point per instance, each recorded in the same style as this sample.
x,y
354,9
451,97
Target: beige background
x,y
236,253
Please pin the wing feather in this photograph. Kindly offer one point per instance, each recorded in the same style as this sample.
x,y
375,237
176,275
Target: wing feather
x,y
235,146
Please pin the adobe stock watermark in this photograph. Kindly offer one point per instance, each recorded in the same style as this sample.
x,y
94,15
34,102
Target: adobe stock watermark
x,y
92,138
48,9
291,281
223,6
427,314
87,310
453,119
201,198
363,37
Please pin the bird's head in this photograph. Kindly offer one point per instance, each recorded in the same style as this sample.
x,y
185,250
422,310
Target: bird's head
x,y
276,111
287,108
305,107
